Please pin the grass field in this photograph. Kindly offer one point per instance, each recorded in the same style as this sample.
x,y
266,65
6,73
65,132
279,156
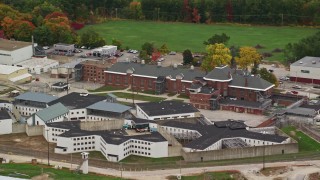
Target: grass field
x,y
181,36
305,142
105,88
28,171
211,175
140,159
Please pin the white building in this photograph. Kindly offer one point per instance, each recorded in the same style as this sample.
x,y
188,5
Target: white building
x,y
38,65
220,135
114,145
14,74
5,105
12,52
306,70
166,110
55,113
30,102
102,110
5,122
105,51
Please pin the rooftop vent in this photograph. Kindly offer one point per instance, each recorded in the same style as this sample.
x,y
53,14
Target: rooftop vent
x,y
143,62
192,67
84,94
313,62
300,62
175,66
159,64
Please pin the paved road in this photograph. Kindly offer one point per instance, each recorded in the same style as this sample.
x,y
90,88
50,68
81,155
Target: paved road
x,y
299,168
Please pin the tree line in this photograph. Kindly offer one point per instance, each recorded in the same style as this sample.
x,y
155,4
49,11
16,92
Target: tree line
x,y
272,12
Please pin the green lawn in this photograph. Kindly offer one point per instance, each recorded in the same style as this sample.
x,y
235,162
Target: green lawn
x,y
138,97
105,88
28,171
305,142
141,160
181,36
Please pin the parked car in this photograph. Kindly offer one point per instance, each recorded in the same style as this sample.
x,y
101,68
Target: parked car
x,y
270,70
83,47
134,51
172,53
294,92
296,87
280,82
285,78
316,86
46,47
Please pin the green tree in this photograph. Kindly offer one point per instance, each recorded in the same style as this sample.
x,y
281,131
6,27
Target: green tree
x,y
117,43
164,49
144,56
247,57
217,55
148,47
23,31
91,38
187,57
43,35
223,38
268,76
44,9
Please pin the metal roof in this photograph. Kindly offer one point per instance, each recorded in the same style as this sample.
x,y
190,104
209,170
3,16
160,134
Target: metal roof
x,y
308,61
110,107
4,115
155,71
4,69
52,112
37,97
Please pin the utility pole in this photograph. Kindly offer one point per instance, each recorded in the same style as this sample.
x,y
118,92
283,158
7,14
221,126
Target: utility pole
x,y
116,13
263,159
282,19
68,80
48,146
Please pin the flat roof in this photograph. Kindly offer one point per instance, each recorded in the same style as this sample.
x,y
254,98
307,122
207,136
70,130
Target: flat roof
x,y
308,61
5,69
8,45
36,97
38,62
109,107
78,100
72,64
166,108
99,63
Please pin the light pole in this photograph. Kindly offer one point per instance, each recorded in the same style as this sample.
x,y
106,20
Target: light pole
x,y
263,158
48,146
132,89
68,80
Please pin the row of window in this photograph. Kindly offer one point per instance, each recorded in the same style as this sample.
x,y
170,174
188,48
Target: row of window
x,y
83,143
82,138
83,148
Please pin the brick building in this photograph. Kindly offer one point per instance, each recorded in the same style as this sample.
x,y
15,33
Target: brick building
x,y
222,88
151,77
93,71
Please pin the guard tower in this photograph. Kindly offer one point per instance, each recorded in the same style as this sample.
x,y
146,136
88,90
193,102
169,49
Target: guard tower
x,y
84,167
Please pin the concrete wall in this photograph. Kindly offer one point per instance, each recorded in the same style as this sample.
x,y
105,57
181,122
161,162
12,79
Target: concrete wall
x,y
240,152
101,125
5,126
18,128
174,148
34,130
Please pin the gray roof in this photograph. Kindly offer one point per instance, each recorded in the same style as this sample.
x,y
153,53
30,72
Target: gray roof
x,y
155,71
112,95
242,103
307,62
302,112
238,78
219,73
52,112
221,130
110,107
4,115
166,108
36,97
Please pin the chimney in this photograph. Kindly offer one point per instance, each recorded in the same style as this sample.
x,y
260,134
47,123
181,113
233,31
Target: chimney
x,y
175,66
192,67
143,62
246,82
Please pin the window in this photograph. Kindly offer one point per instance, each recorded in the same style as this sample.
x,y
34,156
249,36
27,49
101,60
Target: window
x,y
305,71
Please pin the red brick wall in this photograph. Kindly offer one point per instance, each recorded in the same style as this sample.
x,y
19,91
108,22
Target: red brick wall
x,y
93,73
201,101
241,109
305,80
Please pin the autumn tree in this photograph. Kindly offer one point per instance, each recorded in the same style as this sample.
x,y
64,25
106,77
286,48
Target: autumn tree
x,y
136,10
8,26
23,30
148,48
164,49
90,38
43,35
44,9
187,57
217,55
195,16
247,57
117,43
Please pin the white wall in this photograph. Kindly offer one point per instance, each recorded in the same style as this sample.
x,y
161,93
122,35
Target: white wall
x,y
38,121
16,56
27,110
143,115
6,105
6,126
75,114
295,71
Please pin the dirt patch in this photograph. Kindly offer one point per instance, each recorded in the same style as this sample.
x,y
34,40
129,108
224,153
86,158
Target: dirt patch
x,y
24,141
271,171
314,176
